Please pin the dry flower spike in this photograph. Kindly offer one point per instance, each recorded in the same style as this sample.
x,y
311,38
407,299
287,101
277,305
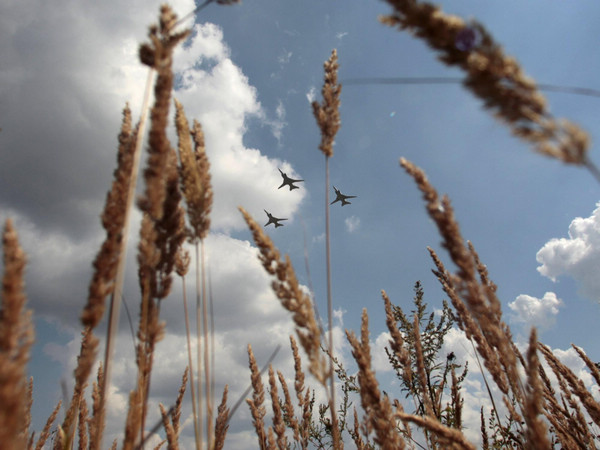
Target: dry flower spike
x,y
495,78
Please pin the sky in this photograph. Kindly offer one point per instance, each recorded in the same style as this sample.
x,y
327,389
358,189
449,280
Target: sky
x,y
248,73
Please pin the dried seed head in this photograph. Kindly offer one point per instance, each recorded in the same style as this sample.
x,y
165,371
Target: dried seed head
x,y
494,77
292,298
327,113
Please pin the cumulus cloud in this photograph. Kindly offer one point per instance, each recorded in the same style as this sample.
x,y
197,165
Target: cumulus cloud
x,y
220,97
536,312
58,268
381,363
577,256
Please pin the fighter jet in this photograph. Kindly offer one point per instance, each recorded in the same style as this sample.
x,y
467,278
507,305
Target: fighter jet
x,y
273,220
341,197
288,181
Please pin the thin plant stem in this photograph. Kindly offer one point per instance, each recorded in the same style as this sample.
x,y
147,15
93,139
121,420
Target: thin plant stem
x,y
487,386
335,431
199,342
207,376
589,92
212,339
309,281
193,13
593,169
190,362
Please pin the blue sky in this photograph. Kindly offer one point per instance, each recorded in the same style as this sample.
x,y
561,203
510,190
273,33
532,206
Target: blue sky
x,y
248,74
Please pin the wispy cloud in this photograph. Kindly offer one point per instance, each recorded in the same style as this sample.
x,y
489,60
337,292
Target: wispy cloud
x,y
352,223
311,94
278,123
319,238
284,57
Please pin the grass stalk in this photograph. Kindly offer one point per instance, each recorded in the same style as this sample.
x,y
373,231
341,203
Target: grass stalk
x,y
327,116
16,340
199,343
334,422
203,349
117,295
191,366
207,368
212,355
485,382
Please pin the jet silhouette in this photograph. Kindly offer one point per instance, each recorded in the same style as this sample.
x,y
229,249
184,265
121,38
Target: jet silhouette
x,y
288,181
341,197
273,220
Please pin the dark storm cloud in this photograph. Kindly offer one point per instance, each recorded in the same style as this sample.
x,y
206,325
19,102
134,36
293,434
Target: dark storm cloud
x,y
59,125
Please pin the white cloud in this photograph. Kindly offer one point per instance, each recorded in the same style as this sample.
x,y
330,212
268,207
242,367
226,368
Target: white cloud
x,y
205,47
381,362
352,223
577,256
221,99
338,315
536,312
58,268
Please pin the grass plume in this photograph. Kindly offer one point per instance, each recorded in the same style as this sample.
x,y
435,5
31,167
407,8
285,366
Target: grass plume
x,y
327,115
494,77
16,339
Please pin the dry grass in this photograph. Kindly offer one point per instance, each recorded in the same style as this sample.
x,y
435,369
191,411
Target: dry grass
x,y
327,115
16,339
539,413
494,77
